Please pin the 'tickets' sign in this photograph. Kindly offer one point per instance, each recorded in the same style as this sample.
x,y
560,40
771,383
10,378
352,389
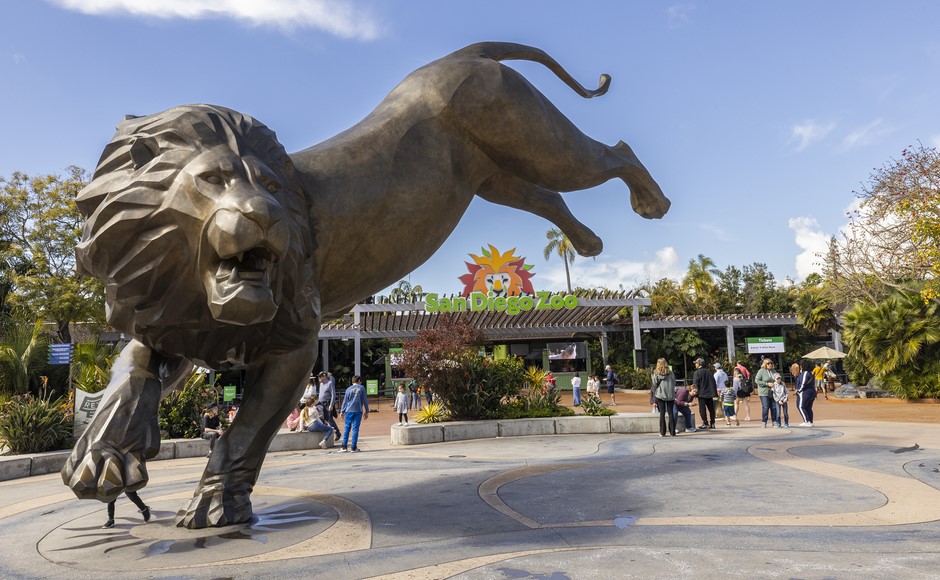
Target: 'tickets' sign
x,y
765,344
501,282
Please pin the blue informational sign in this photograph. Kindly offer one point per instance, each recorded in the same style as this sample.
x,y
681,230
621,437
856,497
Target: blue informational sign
x,y
60,354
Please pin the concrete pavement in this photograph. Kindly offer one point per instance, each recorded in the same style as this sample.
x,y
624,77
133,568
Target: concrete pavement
x,y
845,499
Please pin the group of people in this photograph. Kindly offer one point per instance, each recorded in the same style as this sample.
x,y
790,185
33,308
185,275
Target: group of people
x,y
594,383
319,407
733,394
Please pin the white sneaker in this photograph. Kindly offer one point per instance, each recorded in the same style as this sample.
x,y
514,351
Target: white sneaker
x,y
343,450
809,424
323,443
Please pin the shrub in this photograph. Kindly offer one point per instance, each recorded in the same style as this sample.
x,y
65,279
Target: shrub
x,y
433,412
630,378
446,360
33,424
595,408
181,412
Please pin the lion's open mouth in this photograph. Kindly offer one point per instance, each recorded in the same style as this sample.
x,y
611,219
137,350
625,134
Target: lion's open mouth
x,y
251,266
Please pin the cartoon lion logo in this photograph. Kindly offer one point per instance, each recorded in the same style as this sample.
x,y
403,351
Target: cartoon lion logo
x,y
502,274
203,236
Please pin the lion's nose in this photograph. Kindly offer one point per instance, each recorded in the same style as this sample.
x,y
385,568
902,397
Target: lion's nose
x,y
245,222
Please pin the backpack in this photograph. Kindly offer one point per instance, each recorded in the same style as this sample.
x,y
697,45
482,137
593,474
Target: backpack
x,y
747,387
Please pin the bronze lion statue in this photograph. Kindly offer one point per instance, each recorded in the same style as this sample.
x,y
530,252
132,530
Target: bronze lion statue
x,y
217,248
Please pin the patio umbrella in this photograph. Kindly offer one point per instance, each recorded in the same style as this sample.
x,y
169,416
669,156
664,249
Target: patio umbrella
x,y
824,353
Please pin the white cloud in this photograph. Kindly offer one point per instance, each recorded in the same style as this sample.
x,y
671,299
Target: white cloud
x,y
867,134
611,274
808,132
679,14
19,58
337,17
812,241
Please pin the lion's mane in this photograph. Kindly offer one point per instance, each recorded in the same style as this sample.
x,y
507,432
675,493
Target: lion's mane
x,y
145,234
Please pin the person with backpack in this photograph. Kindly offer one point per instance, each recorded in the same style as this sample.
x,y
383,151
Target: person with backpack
x,y
663,395
704,383
743,389
806,394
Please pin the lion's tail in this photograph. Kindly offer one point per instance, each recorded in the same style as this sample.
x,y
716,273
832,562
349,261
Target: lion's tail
x,y
500,51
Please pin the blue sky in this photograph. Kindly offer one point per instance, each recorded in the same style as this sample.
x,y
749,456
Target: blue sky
x,y
758,119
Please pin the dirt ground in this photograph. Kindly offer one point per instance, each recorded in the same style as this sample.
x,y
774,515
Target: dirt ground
x,y
891,410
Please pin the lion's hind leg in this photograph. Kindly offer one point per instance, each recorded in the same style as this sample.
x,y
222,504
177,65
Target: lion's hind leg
x,y
511,191
111,455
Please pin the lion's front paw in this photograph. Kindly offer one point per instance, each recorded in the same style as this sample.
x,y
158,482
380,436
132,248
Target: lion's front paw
x,y
104,473
213,506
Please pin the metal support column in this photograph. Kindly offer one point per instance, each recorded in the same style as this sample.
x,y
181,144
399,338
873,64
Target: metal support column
x,y
358,343
729,338
636,328
604,347
325,353
836,339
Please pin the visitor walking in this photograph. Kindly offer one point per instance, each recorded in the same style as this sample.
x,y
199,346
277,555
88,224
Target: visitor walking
x,y
744,392
141,507
576,389
707,390
806,395
819,375
663,394
326,400
728,397
355,409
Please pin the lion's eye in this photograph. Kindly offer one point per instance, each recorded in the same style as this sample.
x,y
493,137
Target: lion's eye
x,y
273,187
213,178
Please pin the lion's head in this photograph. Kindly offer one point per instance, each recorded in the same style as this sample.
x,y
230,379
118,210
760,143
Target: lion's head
x,y
203,236
499,274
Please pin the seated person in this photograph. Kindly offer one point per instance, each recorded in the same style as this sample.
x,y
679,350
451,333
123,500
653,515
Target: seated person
x,y
311,420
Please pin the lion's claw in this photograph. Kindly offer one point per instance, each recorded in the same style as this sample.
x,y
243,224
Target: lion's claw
x,y
215,507
104,474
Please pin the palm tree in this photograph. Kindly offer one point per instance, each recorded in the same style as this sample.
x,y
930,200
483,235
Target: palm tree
x,y
560,244
92,365
405,292
894,335
814,312
700,282
22,355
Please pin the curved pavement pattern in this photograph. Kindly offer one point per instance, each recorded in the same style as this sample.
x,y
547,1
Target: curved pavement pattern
x,y
842,500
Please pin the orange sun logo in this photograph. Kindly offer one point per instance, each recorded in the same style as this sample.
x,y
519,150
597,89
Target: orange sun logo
x,y
500,274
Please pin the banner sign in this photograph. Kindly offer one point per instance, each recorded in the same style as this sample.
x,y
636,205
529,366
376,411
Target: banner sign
x,y
499,282
372,386
86,404
228,393
766,344
60,354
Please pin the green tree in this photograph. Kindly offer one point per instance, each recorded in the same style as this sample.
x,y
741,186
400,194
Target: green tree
x,y
91,364
898,340
22,355
683,343
893,239
699,284
404,292
814,311
558,243
39,229
666,297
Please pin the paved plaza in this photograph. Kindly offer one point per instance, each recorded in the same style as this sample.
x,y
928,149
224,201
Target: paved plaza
x,y
845,499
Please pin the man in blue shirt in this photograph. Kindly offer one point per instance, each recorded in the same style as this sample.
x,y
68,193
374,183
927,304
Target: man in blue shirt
x,y
355,409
